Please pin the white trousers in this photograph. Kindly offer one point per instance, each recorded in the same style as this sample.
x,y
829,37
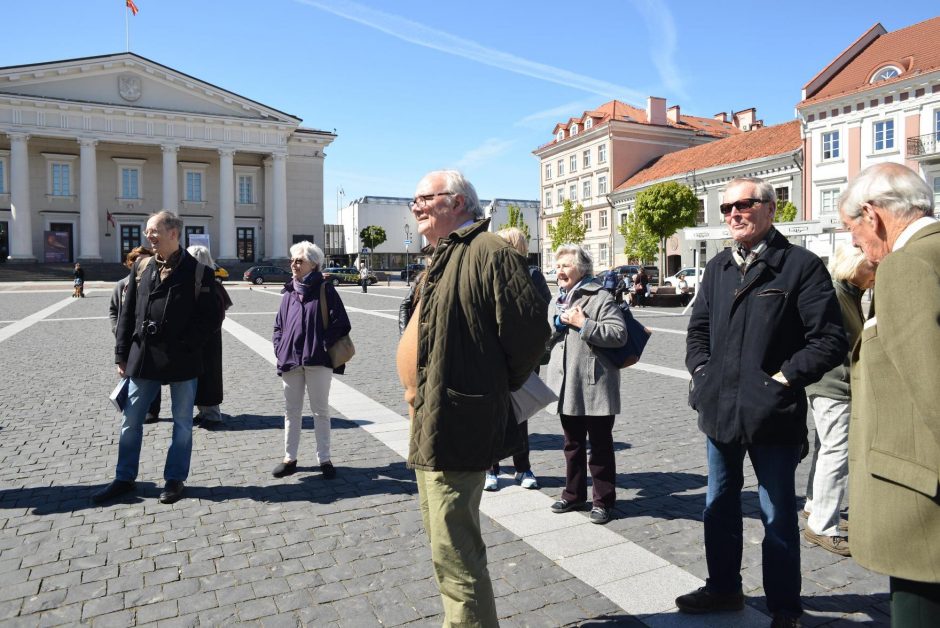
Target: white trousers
x,y
315,380
829,472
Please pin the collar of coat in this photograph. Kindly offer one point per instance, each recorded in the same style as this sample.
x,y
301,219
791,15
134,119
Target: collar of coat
x,y
457,235
773,256
313,279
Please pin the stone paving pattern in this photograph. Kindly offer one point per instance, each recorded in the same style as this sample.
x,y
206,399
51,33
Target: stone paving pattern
x,y
244,547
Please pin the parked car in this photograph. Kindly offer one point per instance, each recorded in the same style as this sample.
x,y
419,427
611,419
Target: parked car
x,y
551,275
260,274
220,273
691,277
652,272
411,271
345,274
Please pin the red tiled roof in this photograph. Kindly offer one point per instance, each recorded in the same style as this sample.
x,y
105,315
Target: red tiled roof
x,y
763,142
616,110
914,49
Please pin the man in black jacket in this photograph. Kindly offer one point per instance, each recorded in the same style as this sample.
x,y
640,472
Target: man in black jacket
x,y
765,325
166,317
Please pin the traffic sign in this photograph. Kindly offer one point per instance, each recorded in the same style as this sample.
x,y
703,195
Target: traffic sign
x,y
407,242
365,249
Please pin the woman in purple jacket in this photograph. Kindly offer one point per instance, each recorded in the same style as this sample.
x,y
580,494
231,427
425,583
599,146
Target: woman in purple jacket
x,y
300,345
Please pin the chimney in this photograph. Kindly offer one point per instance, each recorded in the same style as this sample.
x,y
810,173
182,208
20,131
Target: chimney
x,y
721,117
655,110
673,114
745,119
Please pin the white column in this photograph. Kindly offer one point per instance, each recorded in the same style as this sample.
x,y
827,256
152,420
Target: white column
x,y
279,211
88,224
268,207
227,205
170,177
21,231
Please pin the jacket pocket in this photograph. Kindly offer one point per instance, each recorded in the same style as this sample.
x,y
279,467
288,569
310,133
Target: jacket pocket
x,y
696,383
468,431
907,473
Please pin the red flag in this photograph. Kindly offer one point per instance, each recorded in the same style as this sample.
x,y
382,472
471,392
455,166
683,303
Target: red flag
x,y
130,5
110,217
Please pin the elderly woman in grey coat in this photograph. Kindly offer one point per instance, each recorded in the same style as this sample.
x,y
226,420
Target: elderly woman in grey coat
x,y
587,385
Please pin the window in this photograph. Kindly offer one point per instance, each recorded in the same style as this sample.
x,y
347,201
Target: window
x,y
783,194
573,164
548,171
4,188
561,167
885,73
603,259
700,215
936,125
589,123
193,186
560,196
559,136
830,145
548,225
574,130
602,219
586,159
548,199
602,154
59,174
827,201
573,192
130,182
588,222
601,185
623,218
884,135
936,194
246,190
586,189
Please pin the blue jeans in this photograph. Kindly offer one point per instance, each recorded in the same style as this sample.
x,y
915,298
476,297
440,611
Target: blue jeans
x,y
775,467
140,393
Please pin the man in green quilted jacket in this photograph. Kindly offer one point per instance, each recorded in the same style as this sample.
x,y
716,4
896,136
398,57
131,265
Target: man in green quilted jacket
x,y
477,331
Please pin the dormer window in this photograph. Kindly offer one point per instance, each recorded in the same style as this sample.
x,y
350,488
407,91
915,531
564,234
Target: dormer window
x,y
574,129
588,123
885,73
559,136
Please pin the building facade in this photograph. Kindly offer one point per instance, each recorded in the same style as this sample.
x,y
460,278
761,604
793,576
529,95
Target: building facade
x,y
90,147
497,211
594,153
772,153
879,101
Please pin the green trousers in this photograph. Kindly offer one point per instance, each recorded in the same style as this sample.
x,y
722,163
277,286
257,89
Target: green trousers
x,y
914,604
450,508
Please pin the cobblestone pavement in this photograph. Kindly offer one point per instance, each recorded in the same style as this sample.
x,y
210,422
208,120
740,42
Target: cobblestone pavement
x,y
244,547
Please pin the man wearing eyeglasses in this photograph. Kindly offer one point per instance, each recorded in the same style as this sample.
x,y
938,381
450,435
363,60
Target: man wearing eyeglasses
x,y
766,325
162,327
894,440
477,330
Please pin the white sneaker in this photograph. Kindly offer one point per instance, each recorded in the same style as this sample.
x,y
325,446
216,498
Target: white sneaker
x,y
527,479
490,483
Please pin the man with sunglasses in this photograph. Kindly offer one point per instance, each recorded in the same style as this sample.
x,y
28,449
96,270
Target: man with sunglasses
x,y
765,325
477,330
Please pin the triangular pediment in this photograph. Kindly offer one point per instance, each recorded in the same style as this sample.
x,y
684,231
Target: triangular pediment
x,y
129,80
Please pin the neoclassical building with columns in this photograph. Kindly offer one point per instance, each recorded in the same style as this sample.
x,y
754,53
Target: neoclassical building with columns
x,y
90,147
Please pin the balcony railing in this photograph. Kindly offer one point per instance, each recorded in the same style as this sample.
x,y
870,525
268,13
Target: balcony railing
x,y
924,145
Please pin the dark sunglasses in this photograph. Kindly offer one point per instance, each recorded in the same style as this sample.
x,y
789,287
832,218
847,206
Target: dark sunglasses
x,y
741,205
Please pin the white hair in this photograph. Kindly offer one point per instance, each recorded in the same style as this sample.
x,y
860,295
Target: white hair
x,y
890,186
456,183
201,254
582,259
309,251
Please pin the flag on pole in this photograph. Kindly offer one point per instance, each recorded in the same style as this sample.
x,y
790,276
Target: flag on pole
x,y
110,217
130,5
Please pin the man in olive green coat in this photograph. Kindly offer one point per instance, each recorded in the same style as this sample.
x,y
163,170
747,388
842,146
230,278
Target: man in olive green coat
x,y
894,433
478,331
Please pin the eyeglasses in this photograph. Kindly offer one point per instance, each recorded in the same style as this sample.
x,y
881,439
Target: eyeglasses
x,y
297,260
741,205
422,200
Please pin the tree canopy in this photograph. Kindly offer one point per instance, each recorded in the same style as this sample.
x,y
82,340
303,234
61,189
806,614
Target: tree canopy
x,y
570,227
514,219
786,212
663,209
639,244
372,236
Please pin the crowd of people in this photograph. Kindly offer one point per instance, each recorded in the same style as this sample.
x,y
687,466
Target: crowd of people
x,y
773,336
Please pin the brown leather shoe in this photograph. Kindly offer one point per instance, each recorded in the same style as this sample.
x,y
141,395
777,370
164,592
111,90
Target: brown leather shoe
x,y
835,544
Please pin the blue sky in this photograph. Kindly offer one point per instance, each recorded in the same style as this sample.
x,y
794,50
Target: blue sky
x,y
411,86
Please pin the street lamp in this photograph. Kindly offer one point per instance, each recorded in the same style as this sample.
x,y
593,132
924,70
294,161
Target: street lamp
x,y
407,247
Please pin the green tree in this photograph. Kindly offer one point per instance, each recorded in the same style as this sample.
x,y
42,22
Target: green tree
x,y
663,209
639,244
786,212
570,227
514,219
372,236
